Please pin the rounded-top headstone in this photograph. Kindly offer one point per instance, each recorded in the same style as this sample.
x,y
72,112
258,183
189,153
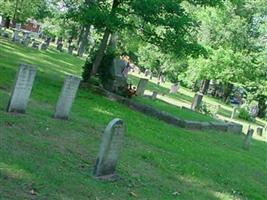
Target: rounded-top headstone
x,y
109,149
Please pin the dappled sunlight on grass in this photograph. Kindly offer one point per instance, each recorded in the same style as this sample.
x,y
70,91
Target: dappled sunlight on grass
x,y
13,171
98,109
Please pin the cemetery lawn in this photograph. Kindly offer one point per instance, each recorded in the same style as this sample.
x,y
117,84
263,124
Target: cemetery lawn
x,y
44,158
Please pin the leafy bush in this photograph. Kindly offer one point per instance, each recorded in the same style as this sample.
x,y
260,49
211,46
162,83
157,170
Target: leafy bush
x,y
203,108
244,114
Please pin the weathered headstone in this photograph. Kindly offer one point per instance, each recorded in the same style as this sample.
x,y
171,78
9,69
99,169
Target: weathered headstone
x,y
70,49
43,46
154,95
22,89
5,34
117,80
248,139
109,150
196,101
235,128
26,39
141,86
174,88
67,95
259,131
15,36
60,46
35,45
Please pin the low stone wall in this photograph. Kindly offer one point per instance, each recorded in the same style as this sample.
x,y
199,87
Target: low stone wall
x,y
170,119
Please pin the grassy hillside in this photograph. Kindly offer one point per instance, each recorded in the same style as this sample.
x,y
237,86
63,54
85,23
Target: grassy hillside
x,y
44,158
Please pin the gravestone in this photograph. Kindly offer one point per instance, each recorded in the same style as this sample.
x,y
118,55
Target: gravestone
x,y
60,46
248,139
234,112
43,46
109,150
196,101
35,45
174,88
22,89
254,111
5,34
70,49
26,39
154,95
259,131
141,86
67,95
235,128
15,36
117,81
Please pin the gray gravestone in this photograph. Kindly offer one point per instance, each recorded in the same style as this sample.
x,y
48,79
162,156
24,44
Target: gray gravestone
x,y
117,81
154,95
70,49
259,131
196,101
109,149
141,86
67,95
22,89
235,128
43,46
15,36
248,139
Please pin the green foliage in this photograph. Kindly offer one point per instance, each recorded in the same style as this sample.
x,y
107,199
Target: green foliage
x,y
243,113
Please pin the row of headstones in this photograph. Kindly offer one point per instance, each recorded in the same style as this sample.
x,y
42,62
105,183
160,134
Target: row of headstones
x,y
26,40
23,86
112,137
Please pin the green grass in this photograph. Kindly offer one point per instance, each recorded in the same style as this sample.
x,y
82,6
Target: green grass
x,y
55,158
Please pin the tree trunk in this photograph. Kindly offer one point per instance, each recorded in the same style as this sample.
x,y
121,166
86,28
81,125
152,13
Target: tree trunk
x,y
262,106
80,36
104,42
100,52
205,86
227,91
84,41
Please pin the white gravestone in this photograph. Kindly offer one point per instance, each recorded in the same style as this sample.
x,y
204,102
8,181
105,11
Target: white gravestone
x,y
141,86
196,101
109,150
174,88
66,98
22,89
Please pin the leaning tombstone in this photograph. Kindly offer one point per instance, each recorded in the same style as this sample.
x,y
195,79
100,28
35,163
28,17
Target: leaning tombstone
x,y
196,101
248,139
109,150
67,95
259,131
22,89
141,86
